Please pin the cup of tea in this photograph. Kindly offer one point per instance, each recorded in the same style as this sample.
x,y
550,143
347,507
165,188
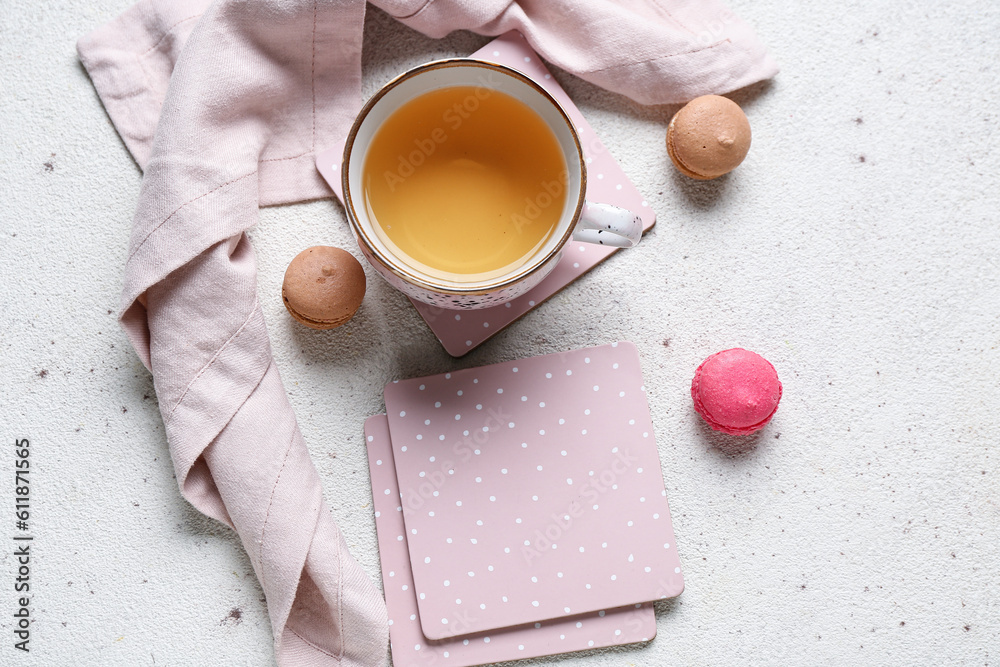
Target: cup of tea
x,y
463,181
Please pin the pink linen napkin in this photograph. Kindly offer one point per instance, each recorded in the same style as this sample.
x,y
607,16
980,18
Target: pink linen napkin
x,y
224,105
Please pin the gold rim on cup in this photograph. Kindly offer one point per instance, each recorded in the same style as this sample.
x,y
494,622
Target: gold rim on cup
x,y
417,279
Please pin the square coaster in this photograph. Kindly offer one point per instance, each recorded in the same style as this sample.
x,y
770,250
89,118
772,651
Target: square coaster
x,y
462,331
531,490
410,648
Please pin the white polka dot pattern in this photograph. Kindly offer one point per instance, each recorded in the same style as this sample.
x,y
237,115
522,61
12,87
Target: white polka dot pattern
x,y
635,623
569,509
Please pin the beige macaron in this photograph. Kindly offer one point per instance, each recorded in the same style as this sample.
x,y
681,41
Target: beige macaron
x,y
323,287
708,137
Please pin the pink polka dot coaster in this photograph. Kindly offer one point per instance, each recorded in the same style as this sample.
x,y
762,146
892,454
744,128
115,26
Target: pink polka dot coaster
x,y
410,648
461,332
531,490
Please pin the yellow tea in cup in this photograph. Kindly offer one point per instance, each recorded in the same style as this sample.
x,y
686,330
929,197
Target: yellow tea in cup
x,y
464,183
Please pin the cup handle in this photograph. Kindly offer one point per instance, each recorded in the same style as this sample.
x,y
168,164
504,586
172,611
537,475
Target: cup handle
x,y
604,224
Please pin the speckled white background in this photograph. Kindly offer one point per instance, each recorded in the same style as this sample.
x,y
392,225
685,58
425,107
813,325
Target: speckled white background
x,y
858,248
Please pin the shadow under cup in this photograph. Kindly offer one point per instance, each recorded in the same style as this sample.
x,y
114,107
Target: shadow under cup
x,y
453,291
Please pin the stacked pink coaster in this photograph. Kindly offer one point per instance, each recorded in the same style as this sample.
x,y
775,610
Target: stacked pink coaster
x,y
462,331
521,509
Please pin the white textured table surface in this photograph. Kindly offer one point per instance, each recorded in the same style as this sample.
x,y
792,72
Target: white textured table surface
x,y
858,248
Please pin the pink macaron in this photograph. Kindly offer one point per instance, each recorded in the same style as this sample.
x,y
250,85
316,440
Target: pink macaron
x,y
736,391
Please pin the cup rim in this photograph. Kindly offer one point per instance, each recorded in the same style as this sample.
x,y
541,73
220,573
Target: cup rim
x,y
400,270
